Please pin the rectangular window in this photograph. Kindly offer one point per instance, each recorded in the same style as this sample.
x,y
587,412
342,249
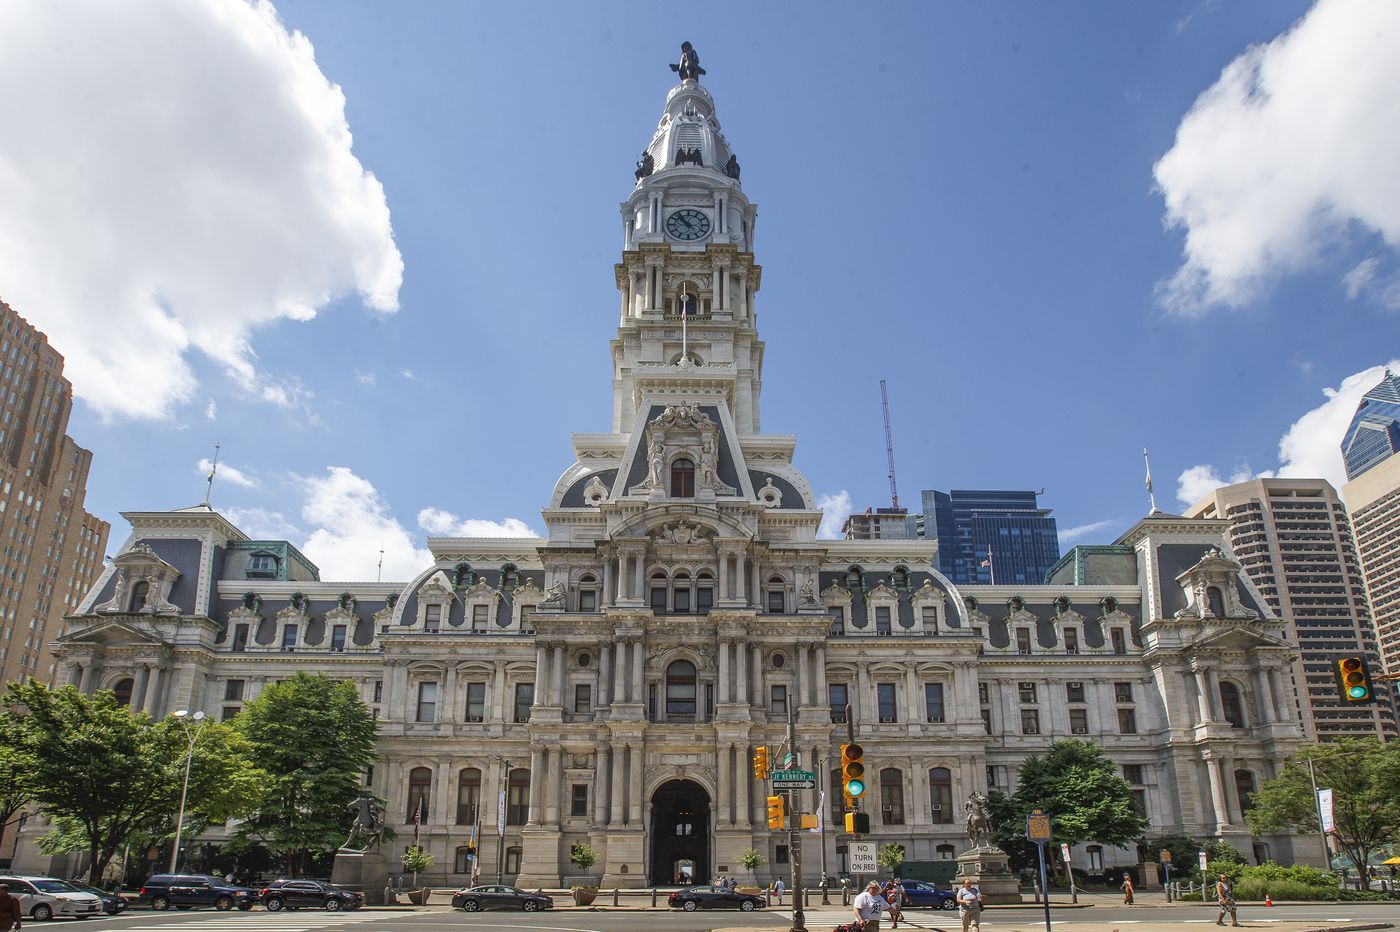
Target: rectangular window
x,y
476,702
780,854
378,690
884,696
1030,721
524,698
682,601
517,800
984,693
289,637
1079,721
468,795
882,619
233,691
480,616
588,600
775,601
427,702
1026,691
929,615
1023,640
583,698
578,802
1071,641
891,799
837,696
240,638
1074,692
1139,802
1122,692
658,599
432,617
777,700
1127,722
513,856
1132,773
704,599
229,712
987,720
933,701
838,621
1119,645
338,637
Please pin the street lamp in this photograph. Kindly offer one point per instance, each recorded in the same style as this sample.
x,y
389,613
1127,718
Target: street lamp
x,y
501,816
184,717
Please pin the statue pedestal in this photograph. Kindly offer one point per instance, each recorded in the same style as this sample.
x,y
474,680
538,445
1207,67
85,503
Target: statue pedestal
x,y
366,871
990,870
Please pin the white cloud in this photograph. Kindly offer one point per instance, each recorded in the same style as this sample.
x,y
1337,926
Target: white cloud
x,y
408,374
835,509
1072,534
212,410
226,473
1309,449
261,524
174,175
364,378
352,523
441,523
1294,147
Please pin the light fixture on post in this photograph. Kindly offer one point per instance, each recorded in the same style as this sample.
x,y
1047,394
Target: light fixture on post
x,y
184,717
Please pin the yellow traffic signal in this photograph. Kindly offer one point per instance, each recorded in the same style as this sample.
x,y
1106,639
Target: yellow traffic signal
x,y
760,763
776,816
857,823
1354,680
853,770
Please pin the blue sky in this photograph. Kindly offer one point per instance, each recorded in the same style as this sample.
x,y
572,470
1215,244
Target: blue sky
x,y
959,198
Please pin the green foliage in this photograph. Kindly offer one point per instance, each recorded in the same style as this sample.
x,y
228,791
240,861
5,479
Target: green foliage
x,y
314,737
890,856
1269,872
750,858
13,791
1080,789
106,775
417,859
583,856
1364,776
1221,858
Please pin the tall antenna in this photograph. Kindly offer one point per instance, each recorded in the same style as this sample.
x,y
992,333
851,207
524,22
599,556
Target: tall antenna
x,y
214,468
889,443
379,576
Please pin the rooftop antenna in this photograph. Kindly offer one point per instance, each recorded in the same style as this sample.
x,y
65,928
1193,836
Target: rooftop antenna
x,y
889,444
214,468
379,575
1151,496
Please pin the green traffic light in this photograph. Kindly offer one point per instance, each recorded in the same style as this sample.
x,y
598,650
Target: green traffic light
x,y
1357,692
855,787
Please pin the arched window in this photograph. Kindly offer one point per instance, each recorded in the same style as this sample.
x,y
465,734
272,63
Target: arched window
x,y
461,864
1215,601
940,783
891,796
587,594
139,592
1231,706
659,586
680,593
420,793
518,800
122,690
777,595
513,860
682,478
680,689
468,795
1244,789
901,577
687,304
855,579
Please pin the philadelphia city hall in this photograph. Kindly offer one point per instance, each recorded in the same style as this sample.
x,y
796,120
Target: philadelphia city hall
x,y
608,683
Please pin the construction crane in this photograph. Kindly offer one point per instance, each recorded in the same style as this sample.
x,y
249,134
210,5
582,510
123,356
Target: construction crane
x,y
889,444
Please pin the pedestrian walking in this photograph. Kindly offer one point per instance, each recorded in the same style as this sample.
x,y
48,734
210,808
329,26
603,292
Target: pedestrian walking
x,y
11,915
1127,890
894,895
1225,899
778,890
970,905
867,906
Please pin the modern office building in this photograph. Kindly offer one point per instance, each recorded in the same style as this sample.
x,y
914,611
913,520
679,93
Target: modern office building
x,y
1293,538
52,548
990,535
1373,498
880,524
1374,432
613,679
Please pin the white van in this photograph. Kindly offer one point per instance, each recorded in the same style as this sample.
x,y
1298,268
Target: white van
x,y
44,898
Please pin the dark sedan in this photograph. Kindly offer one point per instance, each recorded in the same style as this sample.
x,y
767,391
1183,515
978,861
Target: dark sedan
x,y
918,893
474,899
693,898
308,894
111,903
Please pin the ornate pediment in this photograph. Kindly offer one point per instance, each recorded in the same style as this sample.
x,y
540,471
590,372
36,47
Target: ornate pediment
x,y
882,593
1070,617
143,582
836,594
439,589
927,593
1022,617
481,590
111,634
293,613
683,431
1212,589
683,532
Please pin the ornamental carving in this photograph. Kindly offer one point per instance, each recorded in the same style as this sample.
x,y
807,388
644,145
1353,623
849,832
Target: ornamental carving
x,y
682,431
136,568
1212,589
683,532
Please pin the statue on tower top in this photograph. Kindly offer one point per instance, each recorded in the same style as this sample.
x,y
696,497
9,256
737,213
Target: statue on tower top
x,y
689,68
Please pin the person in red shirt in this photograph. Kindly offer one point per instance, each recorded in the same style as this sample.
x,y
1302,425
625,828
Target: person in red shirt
x,y
11,916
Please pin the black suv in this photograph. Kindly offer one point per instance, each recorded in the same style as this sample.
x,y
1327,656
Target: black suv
x,y
185,891
313,894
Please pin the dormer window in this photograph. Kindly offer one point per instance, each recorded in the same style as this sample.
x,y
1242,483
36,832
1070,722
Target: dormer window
x,y
262,566
1215,601
139,594
682,478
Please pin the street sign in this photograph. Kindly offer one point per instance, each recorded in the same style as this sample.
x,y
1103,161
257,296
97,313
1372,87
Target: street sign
x,y
860,857
1037,827
1205,864
794,780
1064,851
1165,855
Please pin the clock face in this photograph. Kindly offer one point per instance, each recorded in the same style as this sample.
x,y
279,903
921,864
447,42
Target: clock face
x,y
688,224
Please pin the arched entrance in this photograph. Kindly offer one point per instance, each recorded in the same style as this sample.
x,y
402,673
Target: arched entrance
x,y
680,833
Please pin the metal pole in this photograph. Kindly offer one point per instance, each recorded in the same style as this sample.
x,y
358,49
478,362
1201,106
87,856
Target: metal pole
x,y
184,790
501,832
1044,884
799,920
1317,807
825,764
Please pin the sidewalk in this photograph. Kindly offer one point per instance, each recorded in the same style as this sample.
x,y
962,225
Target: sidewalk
x,y
951,923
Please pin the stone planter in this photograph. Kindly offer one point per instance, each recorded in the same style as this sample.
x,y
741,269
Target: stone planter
x,y
584,896
418,897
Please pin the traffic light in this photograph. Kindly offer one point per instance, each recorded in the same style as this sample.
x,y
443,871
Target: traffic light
x,y
857,823
776,816
760,763
853,770
1354,680
471,851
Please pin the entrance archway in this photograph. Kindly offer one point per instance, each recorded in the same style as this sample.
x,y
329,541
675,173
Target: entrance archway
x,y
680,834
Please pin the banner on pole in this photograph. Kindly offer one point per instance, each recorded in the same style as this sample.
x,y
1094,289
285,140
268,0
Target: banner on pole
x,y
1064,850
501,814
1205,865
821,813
1324,805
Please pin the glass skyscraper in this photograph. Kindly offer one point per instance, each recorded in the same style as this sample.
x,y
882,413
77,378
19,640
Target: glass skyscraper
x,y
1374,432
970,524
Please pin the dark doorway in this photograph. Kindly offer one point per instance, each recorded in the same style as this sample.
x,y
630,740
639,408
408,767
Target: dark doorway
x,y
680,834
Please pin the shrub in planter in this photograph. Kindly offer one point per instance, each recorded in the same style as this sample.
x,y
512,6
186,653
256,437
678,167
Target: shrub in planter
x,y
583,857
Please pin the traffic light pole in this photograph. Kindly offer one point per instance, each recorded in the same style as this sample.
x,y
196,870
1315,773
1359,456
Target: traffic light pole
x,y
799,921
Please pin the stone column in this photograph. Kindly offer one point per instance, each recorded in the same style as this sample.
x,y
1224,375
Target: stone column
x,y
558,671
72,673
501,703
1213,684
1232,792
619,690
537,779
605,597
739,575
605,676
1285,698
741,660
637,669
440,806
819,677
917,712
759,699
541,673
554,789
1202,696
446,711
153,687
617,757
85,679
1264,702
634,786
726,784
723,580
724,648
600,785
1217,792
860,702
639,590
800,679
138,688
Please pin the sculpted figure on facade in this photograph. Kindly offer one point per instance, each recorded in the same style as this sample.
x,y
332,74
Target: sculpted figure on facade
x,y
553,597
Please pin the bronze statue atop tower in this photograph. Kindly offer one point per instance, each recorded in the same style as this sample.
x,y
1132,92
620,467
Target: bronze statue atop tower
x,y
689,67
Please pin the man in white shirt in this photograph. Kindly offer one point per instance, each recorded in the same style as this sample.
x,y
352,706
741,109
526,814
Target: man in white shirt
x,y
970,905
867,907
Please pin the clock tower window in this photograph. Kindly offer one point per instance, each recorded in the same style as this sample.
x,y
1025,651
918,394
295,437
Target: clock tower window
x,y
682,478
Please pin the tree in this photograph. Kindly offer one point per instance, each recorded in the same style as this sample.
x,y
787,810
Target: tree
x,y
583,856
105,774
415,859
1081,791
13,791
750,859
314,738
890,856
1364,777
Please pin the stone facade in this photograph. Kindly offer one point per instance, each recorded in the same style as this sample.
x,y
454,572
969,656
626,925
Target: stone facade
x,y
609,683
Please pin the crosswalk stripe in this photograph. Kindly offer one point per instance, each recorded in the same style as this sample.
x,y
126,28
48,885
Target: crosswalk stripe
x,y
263,922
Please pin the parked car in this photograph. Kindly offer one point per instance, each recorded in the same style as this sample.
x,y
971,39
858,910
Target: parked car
x,y
500,897
919,893
111,902
308,894
187,891
693,898
45,898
